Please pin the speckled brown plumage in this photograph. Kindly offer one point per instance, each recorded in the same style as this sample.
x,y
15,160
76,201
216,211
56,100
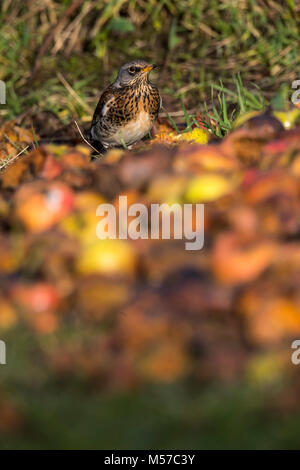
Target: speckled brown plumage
x,y
128,108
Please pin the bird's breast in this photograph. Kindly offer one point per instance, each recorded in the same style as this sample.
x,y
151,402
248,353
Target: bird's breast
x,y
133,130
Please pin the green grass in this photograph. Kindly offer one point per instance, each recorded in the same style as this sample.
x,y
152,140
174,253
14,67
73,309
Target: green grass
x,y
156,418
67,412
195,42
224,107
241,101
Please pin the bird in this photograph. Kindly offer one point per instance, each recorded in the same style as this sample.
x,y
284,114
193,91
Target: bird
x,y
128,108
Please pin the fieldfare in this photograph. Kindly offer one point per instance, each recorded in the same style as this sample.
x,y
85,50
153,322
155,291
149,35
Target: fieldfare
x,y
128,108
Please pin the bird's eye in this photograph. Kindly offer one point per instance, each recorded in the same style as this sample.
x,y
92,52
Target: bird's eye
x,y
132,70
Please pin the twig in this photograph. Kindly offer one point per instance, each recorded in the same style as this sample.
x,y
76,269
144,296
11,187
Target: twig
x,y
73,93
86,141
178,113
6,162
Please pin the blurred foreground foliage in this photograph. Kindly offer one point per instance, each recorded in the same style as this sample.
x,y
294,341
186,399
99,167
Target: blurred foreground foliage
x,y
107,326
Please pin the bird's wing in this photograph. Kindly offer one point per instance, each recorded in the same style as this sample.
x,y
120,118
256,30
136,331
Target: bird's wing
x,y
103,105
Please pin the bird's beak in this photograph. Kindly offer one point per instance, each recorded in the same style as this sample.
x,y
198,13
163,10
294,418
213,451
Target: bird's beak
x,y
148,68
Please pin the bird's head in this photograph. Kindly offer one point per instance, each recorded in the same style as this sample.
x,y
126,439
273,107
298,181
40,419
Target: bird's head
x,y
134,72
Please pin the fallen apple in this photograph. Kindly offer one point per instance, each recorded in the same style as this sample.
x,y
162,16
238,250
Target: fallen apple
x,y
40,206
